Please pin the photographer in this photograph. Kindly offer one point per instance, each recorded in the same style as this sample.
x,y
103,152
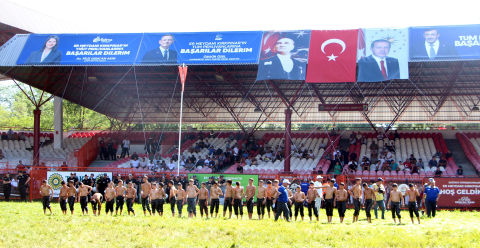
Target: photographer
x,y
380,196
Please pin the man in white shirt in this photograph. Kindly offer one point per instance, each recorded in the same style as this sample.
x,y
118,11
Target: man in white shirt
x,y
134,163
235,151
318,186
125,147
171,166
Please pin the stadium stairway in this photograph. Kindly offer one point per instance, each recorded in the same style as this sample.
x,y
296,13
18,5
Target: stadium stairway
x,y
460,157
100,163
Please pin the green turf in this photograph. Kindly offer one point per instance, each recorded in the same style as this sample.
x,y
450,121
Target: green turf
x,y
24,225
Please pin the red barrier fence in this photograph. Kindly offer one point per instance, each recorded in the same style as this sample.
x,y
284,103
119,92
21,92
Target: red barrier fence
x,y
88,152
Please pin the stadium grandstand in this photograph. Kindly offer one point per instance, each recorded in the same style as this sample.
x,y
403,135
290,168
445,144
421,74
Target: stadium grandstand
x,y
436,92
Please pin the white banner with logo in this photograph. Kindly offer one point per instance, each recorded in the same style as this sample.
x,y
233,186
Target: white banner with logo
x,y
55,178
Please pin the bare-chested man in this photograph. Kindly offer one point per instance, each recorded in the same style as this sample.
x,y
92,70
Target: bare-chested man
x,y
131,195
215,193
83,192
356,193
290,199
154,195
275,191
330,193
299,198
160,200
109,198
369,198
172,198
312,194
96,200
251,189
72,195
270,192
341,200
261,200
146,188
120,192
202,199
228,203
192,192
62,197
413,193
45,190
181,199
396,198
239,194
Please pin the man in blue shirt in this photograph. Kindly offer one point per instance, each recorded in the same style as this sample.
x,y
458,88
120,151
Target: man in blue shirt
x,y
432,194
282,199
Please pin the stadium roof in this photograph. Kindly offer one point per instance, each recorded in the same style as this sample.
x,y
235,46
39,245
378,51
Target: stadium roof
x,y
436,92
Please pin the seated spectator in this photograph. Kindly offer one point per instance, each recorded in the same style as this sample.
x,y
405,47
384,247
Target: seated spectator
x,y
254,161
333,132
380,137
459,171
448,155
365,166
386,166
432,162
200,136
201,144
150,165
304,154
390,148
359,136
211,135
211,150
311,155
438,172
143,163
134,163
401,166
412,159
394,166
338,168
171,166
415,169
353,141
328,156
396,135
352,166
278,156
245,154
442,162
438,154
269,155
22,136
420,164
163,165
10,134
239,168
197,147
134,155
207,160
389,156
212,164
248,161
374,147
193,159
200,162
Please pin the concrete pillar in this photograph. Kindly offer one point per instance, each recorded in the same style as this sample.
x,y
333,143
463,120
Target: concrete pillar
x,y
36,136
57,122
288,141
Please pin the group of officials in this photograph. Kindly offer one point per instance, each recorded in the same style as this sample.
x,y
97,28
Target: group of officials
x,y
274,198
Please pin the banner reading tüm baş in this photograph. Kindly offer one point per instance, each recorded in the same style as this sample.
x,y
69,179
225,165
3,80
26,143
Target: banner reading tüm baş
x,y
200,48
79,49
332,56
386,54
284,55
444,42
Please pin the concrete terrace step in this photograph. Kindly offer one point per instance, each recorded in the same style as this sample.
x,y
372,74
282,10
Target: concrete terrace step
x,y
459,157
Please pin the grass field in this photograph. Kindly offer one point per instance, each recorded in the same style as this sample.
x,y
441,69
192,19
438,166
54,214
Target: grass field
x,y
24,225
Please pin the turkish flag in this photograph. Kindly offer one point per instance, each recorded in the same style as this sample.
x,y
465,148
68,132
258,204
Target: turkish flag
x,y
333,56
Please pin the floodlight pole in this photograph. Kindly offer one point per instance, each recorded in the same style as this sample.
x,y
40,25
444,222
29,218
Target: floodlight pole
x,y
183,75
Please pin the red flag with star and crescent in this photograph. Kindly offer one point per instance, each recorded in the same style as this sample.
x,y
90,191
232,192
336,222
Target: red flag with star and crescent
x,y
333,56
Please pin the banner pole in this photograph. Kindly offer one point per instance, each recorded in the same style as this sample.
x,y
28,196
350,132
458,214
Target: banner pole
x,y
183,75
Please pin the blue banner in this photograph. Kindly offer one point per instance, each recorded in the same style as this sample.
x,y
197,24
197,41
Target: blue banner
x,y
284,55
445,42
80,49
200,48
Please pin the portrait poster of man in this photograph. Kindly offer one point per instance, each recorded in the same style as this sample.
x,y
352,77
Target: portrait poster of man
x,y
159,48
444,42
386,55
284,55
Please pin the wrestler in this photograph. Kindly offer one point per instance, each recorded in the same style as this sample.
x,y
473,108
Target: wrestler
x,y
47,192
299,198
251,189
192,192
215,193
83,192
63,196
228,203
261,200
131,196
412,203
396,198
120,192
341,200
356,193
368,200
109,198
202,199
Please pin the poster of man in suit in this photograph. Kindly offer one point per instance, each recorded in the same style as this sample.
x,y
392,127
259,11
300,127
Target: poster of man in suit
x,y
444,43
163,53
386,55
284,55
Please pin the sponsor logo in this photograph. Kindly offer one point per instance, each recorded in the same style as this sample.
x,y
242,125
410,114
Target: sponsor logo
x,y
218,37
55,181
464,201
102,40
